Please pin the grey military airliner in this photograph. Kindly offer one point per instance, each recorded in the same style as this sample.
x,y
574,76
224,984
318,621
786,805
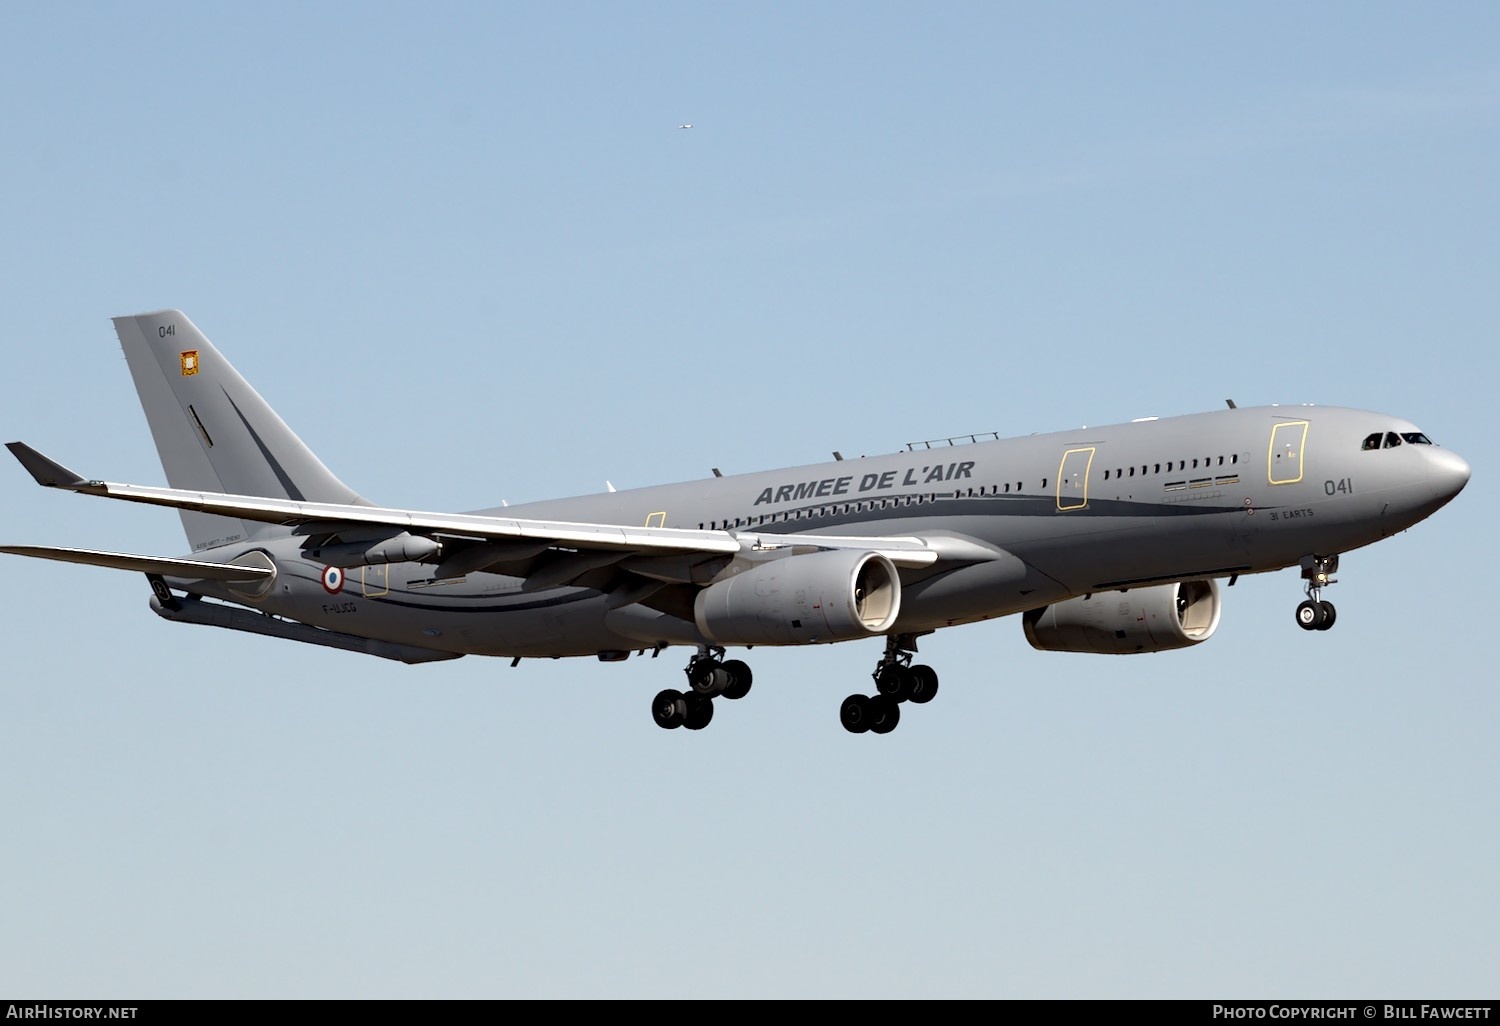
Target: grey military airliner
x,y
1104,540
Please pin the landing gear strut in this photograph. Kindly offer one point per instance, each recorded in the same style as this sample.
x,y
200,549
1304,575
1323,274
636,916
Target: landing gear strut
x,y
1316,613
709,675
896,681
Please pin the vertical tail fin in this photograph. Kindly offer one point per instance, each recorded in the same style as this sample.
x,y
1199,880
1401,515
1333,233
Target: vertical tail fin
x,y
213,431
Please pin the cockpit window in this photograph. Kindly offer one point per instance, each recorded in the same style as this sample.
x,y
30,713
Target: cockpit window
x,y
1391,439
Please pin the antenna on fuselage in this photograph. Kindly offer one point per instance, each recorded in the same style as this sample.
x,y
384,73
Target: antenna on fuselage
x,y
1231,404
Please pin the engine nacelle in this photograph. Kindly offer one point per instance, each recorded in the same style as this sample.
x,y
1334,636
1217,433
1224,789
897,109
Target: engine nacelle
x,y
799,600
1155,619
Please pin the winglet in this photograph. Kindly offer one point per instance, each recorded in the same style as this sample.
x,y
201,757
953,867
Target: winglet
x,y
46,472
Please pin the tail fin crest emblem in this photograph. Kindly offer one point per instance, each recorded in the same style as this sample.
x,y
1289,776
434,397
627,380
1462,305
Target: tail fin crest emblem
x,y
189,363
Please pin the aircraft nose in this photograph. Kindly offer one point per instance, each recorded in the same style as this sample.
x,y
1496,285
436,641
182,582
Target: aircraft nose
x,y
1447,472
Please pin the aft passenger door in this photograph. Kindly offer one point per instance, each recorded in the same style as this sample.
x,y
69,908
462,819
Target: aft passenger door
x,y
375,580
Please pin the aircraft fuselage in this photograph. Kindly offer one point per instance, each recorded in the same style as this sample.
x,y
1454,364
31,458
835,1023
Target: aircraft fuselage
x,y
1208,495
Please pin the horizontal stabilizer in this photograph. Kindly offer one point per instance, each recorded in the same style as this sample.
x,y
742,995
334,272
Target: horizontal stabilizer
x,y
188,569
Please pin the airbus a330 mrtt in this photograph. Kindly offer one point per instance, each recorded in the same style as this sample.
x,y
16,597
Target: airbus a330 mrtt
x,y
1107,539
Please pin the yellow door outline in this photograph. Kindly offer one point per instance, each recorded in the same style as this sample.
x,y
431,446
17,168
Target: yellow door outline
x,y
656,519
375,581
1074,493
1284,458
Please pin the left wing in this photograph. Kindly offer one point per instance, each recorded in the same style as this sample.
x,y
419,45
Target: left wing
x,y
591,545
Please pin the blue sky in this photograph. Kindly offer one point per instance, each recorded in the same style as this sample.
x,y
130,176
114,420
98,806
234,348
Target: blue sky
x,y
466,252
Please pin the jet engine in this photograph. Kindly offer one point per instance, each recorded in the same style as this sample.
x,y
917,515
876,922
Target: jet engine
x,y
814,597
1155,619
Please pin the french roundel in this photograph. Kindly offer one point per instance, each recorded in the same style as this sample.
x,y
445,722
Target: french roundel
x,y
333,580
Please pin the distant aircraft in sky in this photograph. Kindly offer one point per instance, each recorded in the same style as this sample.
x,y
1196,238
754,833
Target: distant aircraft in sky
x,y
684,126
1105,540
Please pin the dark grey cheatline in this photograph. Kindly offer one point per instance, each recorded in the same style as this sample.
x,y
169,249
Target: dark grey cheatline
x,y
1105,540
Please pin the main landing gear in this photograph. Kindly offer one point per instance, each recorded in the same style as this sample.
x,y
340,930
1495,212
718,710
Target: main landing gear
x,y
1316,613
709,675
896,681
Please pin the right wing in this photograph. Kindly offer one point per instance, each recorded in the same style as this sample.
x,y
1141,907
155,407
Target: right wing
x,y
187,569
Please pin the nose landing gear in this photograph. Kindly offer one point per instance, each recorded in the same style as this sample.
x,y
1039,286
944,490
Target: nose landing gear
x,y
1316,613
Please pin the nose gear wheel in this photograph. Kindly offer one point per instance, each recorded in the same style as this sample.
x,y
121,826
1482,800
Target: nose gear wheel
x,y
1316,613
